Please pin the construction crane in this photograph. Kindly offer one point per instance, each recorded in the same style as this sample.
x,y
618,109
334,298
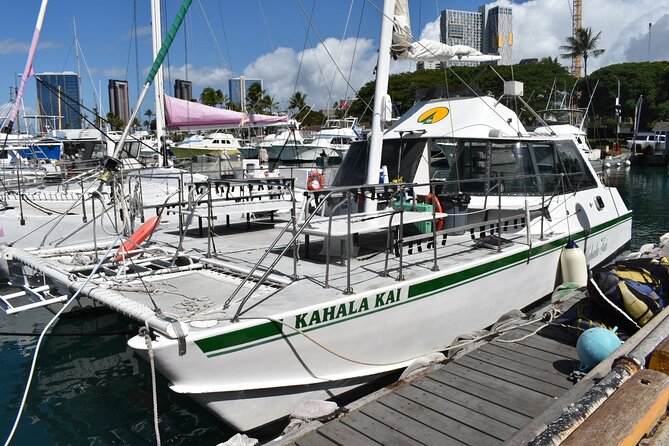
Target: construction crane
x,y
577,16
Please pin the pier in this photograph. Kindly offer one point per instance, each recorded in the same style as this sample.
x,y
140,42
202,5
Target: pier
x,y
518,392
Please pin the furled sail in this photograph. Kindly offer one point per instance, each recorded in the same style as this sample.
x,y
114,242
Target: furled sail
x,y
185,115
404,46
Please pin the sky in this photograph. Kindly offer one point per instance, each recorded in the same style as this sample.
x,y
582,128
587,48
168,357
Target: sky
x,y
291,44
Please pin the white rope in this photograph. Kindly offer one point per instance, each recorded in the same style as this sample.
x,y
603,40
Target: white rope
x,y
147,338
39,344
442,349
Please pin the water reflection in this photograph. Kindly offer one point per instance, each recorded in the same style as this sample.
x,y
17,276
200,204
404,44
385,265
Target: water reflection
x,y
645,189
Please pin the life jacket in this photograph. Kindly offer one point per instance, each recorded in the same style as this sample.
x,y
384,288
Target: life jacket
x,y
635,287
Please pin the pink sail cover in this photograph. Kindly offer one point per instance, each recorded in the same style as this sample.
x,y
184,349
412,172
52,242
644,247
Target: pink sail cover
x,y
185,115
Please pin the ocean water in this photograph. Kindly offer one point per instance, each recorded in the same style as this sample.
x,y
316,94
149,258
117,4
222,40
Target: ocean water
x,y
89,388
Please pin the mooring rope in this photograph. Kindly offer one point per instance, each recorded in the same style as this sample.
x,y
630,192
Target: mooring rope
x,y
144,331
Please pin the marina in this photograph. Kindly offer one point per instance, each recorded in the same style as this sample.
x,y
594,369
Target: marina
x,y
449,272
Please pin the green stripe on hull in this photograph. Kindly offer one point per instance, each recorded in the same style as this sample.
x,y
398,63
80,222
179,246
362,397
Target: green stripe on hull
x,y
239,337
265,331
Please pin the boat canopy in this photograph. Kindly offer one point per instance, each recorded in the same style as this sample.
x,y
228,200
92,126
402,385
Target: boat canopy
x,y
185,115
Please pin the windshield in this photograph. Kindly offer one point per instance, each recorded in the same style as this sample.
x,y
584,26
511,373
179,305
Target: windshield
x,y
519,167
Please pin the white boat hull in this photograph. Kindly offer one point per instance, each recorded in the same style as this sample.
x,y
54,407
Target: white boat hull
x,y
256,371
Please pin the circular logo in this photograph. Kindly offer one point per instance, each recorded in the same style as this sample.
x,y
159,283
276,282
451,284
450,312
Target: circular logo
x,y
433,115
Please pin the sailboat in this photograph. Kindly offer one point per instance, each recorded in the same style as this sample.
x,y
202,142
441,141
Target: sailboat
x,y
370,274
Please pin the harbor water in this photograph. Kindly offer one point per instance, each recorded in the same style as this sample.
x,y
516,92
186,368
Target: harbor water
x,y
90,389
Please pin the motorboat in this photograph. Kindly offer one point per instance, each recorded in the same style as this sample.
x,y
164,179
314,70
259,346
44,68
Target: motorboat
x,y
217,144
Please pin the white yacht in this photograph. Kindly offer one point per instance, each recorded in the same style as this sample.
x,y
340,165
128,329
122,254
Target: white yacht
x,y
331,141
219,144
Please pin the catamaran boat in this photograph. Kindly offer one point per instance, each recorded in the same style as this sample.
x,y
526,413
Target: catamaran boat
x,y
339,286
368,277
331,141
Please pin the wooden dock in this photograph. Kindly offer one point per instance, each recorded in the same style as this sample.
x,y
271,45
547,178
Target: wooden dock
x,y
500,392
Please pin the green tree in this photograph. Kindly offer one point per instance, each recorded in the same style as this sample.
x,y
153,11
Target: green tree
x,y
115,122
583,44
297,100
267,104
212,97
148,113
254,98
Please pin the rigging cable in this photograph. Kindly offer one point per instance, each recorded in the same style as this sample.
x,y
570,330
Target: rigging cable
x,y
225,35
311,24
341,46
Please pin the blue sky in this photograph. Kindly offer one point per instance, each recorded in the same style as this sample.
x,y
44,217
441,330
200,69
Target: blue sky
x,y
268,39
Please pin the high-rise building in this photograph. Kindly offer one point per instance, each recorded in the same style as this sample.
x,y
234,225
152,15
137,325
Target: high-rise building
x,y
239,88
427,65
461,28
497,32
490,31
118,99
183,90
58,96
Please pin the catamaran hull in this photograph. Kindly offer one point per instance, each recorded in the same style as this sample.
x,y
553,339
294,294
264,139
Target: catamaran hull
x,y
256,371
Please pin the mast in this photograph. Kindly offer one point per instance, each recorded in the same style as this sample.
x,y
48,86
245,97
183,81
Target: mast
x,y
28,70
380,94
113,164
76,47
159,87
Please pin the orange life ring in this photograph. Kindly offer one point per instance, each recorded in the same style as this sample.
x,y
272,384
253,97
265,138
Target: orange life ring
x,y
136,239
316,181
437,208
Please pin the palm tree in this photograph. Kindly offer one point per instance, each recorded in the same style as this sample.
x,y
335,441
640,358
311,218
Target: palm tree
x,y
298,100
209,97
148,113
583,44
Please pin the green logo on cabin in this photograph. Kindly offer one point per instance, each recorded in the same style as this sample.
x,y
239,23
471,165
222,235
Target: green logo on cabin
x,y
433,115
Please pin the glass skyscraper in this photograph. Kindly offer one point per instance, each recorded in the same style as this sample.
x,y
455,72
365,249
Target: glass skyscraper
x,y
490,30
58,96
235,88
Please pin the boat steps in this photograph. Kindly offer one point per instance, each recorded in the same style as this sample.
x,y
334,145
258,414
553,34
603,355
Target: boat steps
x,y
35,297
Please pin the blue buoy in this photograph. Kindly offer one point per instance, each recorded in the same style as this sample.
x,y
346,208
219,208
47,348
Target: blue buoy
x,y
595,345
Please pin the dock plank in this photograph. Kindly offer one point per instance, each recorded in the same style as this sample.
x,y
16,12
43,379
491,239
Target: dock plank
x,y
524,369
395,411
382,433
509,395
341,434
429,394
473,402
498,373
315,440
522,358
545,344
527,351
554,332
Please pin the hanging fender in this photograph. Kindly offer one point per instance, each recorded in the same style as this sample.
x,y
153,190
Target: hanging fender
x,y
136,239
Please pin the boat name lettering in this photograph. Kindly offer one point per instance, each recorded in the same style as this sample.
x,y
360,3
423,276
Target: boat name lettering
x,y
350,308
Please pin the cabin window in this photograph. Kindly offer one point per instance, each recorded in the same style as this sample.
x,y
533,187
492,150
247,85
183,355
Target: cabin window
x,y
477,167
401,157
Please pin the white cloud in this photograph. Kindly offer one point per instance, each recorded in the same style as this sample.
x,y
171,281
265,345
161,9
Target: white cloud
x,y
319,78
540,27
201,77
114,72
11,46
